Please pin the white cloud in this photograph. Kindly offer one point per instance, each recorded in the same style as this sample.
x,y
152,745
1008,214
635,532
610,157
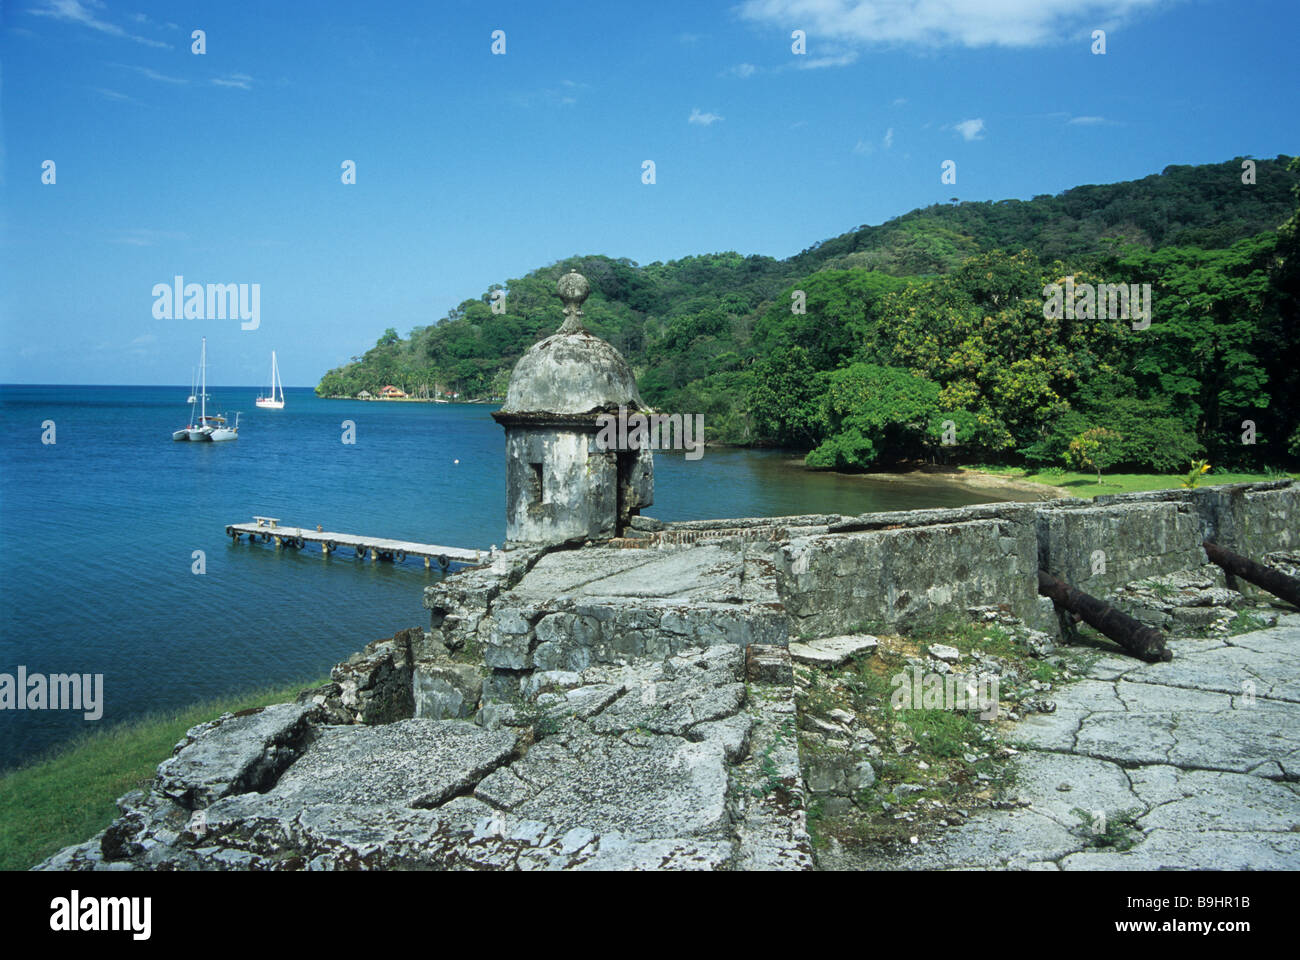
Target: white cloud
x,y
945,23
970,129
863,149
899,102
74,11
562,96
1087,121
145,237
831,60
743,70
241,80
152,74
702,119
114,95
889,138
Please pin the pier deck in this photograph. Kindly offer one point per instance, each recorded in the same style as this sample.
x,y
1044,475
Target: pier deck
x,y
267,530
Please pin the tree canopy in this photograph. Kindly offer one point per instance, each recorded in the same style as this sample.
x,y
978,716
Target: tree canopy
x,y
928,336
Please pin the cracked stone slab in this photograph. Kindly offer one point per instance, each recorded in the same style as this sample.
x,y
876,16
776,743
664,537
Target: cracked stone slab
x,y
1092,696
1241,739
1049,731
1126,738
732,733
704,572
419,763
692,688
1165,849
1152,698
1109,666
581,702
767,790
1210,800
641,786
234,754
1227,669
1001,839
1282,640
659,855
833,651
1041,779
672,707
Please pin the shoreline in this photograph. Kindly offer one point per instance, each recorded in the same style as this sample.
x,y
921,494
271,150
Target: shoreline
x,y
963,477
405,400
409,400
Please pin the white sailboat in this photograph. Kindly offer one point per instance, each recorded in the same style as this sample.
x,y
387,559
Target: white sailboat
x,y
222,432
270,402
202,430
216,424
184,432
209,427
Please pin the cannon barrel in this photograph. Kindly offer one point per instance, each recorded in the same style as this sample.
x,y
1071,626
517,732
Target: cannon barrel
x,y
1136,638
1269,578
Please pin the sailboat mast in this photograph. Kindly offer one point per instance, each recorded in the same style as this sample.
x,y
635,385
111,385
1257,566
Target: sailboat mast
x,y
203,389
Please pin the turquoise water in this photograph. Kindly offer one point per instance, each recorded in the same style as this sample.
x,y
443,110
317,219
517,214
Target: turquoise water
x,y
98,531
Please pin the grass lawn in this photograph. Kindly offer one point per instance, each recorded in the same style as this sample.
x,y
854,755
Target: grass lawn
x,y
1085,484
68,795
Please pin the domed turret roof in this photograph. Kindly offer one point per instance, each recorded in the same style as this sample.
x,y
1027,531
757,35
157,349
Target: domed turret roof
x,y
571,372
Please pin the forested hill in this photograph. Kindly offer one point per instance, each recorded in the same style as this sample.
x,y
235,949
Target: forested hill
x,y
1200,206
715,334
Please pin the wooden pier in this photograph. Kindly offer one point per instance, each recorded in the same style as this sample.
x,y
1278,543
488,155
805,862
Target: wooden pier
x,y
268,529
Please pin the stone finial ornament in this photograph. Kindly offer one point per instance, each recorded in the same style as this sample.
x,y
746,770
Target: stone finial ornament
x,y
573,290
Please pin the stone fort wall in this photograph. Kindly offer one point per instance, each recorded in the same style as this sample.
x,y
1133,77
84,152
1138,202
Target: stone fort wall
x,y
900,568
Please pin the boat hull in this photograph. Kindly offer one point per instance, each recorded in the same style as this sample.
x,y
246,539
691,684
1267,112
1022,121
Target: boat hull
x,y
200,433
270,404
223,433
181,435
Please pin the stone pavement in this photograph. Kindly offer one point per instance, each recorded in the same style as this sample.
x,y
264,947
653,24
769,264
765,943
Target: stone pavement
x,y
675,763
1188,765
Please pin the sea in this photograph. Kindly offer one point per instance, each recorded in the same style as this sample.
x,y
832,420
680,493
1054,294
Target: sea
x,y
114,559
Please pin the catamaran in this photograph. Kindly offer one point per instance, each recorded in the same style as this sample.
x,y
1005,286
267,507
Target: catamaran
x,y
203,429
207,427
271,403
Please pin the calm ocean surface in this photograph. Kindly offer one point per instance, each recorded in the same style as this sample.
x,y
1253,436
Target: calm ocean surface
x,y
97,533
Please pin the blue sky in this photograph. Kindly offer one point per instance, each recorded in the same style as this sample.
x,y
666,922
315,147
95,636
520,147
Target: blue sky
x,y
472,167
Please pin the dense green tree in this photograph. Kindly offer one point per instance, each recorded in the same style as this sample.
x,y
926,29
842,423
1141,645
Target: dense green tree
x,y
1202,350
1094,449
785,399
1151,438
981,333
872,412
841,313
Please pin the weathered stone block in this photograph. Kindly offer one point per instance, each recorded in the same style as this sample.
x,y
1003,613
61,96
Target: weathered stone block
x,y
235,754
767,663
908,575
446,691
1097,548
833,651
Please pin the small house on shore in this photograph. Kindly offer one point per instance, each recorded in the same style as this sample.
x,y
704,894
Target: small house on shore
x,y
391,392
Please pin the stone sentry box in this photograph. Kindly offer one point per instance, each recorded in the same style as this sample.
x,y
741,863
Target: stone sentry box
x,y
560,486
